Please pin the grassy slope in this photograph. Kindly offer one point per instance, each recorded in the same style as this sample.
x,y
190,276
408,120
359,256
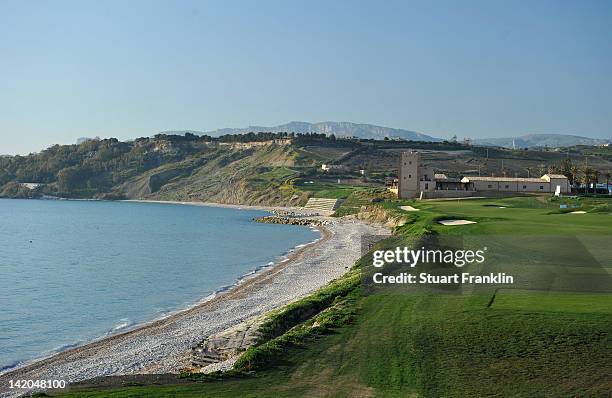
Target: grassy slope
x,y
261,175
529,345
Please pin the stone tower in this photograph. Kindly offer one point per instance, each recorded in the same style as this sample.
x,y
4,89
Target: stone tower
x,y
409,175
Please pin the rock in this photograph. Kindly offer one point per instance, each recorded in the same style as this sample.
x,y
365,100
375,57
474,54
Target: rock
x,y
225,345
290,220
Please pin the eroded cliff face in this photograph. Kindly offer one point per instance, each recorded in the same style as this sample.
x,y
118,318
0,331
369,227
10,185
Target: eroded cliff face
x,y
380,215
250,176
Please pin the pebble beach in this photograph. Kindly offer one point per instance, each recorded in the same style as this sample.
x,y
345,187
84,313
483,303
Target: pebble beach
x,y
162,346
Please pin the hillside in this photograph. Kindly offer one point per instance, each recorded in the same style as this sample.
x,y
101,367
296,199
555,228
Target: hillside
x,y
540,140
265,168
161,167
339,129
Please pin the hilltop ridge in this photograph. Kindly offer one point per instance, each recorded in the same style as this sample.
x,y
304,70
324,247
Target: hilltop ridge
x,y
541,140
339,129
256,169
371,131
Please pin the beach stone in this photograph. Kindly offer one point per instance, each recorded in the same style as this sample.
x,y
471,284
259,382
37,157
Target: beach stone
x,y
290,220
226,344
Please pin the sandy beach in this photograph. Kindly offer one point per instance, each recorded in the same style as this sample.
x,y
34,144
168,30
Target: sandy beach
x,y
161,346
224,205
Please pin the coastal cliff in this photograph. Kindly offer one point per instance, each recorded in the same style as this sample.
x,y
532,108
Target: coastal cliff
x,y
381,216
272,169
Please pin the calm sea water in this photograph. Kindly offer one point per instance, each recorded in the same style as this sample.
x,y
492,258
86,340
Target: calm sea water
x,y
73,271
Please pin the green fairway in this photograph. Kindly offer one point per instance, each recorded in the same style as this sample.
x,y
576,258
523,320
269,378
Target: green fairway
x,y
508,299
329,190
513,344
530,215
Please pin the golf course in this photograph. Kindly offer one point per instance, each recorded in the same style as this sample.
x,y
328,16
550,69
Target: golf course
x,y
514,343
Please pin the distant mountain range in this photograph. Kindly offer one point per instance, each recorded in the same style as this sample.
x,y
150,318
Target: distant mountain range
x,y
370,131
540,140
339,129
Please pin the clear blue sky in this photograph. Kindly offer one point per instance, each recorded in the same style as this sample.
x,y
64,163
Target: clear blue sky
x,y
133,68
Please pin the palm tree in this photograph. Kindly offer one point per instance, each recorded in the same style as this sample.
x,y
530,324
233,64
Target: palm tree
x,y
584,179
589,175
573,174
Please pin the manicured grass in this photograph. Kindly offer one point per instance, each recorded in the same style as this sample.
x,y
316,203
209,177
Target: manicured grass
x,y
508,299
329,190
522,215
520,344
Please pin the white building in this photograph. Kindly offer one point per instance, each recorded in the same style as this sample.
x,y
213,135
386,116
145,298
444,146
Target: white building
x,y
418,181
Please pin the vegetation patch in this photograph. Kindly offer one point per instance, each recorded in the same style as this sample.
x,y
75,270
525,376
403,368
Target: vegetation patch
x,y
328,308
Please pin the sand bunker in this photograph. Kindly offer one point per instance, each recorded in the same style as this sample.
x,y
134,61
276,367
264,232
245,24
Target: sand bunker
x,y
578,212
456,222
409,208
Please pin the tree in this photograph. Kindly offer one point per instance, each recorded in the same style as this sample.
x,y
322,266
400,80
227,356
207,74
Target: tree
x,y
565,168
542,168
588,175
574,174
584,179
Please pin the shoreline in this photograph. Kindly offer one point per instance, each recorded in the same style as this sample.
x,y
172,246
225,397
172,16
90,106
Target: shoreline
x,y
218,293
132,351
221,205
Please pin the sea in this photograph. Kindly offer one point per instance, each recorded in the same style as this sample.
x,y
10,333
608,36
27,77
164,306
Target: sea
x,y
76,271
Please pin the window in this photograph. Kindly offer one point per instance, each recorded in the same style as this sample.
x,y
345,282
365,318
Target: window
x,y
409,175
404,163
524,186
426,186
541,186
410,162
489,186
507,186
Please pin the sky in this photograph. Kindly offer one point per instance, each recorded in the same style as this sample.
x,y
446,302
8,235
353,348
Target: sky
x,y
474,69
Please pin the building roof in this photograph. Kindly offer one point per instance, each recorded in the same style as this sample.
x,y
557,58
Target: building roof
x,y
501,179
554,176
444,178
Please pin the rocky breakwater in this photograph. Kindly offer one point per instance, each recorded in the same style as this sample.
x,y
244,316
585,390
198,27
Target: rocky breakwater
x,y
291,221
